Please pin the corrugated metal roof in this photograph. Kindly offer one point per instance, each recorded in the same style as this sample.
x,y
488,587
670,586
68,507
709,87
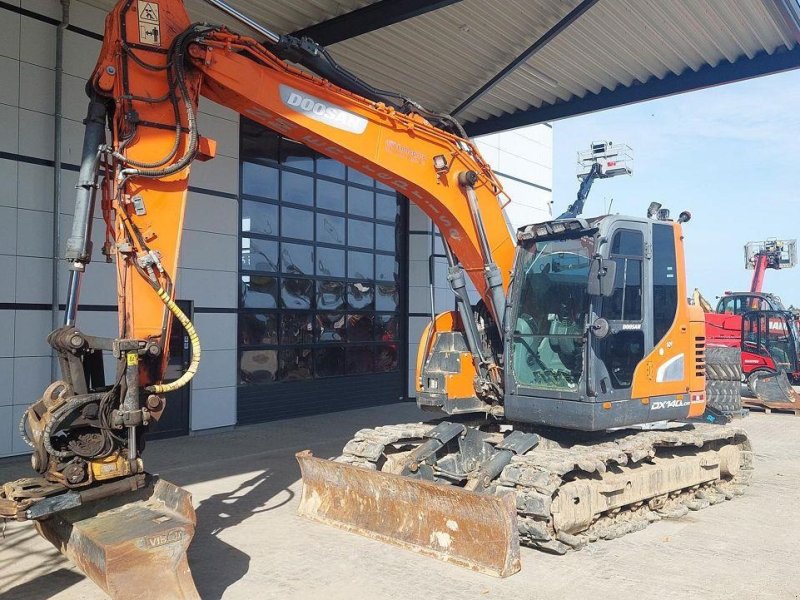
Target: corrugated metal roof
x,y
442,57
278,15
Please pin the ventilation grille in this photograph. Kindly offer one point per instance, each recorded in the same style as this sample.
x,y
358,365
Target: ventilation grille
x,y
700,356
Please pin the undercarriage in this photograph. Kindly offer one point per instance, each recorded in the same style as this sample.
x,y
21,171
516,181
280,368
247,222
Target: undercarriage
x,y
569,488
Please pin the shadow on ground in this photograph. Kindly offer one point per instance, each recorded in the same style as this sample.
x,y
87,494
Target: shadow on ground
x,y
233,475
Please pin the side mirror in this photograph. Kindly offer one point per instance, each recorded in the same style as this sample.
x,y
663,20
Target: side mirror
x,y
602,274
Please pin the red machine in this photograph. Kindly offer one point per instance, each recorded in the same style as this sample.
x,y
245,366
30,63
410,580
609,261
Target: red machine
x,y
759,324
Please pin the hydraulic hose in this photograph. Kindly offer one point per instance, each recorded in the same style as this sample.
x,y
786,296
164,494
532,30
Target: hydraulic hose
x,y
194,339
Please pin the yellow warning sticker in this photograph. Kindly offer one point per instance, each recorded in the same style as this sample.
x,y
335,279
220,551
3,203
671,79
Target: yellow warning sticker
x,y
133,359
149,23
148,11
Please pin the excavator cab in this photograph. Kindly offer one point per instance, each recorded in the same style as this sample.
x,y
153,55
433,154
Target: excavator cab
x,y
599,333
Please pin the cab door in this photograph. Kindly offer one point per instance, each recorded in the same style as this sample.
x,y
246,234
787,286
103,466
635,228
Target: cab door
x,y
614,358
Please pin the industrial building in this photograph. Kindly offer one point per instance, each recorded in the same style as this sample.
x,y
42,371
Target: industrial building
x,y
305,280
290,317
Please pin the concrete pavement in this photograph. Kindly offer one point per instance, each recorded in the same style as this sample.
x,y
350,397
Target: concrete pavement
x,y
250,543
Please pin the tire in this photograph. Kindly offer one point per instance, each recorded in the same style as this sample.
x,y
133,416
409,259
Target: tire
x,y
724,379
723,364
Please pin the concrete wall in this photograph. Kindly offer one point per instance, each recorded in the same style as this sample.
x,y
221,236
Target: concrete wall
x,y
523,159
208,273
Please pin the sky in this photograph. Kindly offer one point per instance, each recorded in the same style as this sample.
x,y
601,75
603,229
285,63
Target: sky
x,y
728,154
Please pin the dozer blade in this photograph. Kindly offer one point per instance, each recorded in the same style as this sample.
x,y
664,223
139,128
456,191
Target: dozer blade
x,y
774,389
132,545
452,524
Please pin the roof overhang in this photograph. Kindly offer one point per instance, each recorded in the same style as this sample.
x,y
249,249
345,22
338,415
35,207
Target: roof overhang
x,y
499,65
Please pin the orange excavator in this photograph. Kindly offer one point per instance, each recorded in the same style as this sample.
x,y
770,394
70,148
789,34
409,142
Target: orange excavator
x,y
569,399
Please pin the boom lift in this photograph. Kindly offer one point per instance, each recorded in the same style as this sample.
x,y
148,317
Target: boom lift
x,y
582,329
602,161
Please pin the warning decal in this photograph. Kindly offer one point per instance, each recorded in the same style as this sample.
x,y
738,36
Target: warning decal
x,y
148,11
149,23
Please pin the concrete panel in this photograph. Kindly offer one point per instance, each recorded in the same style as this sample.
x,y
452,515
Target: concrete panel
x,y
36,187
444,300
31,328
74,98
99,284
87,17
217,110
8,275
217,370
34,233
210,251
9,75
101,323
18,446
418,272
220,174
214,214
34,280
412,384
8,182
417,220
7,379
7,429
47,8
9,34
225,132
8,230
32,376
490,152
37,88
213,408
7,318
36,134
80,54
37,44
419,300
217,330
9,129
419,246
416,325
213,289
72,140
69,180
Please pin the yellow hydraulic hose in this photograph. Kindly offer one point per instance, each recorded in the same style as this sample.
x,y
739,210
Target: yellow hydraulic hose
x,y
163,388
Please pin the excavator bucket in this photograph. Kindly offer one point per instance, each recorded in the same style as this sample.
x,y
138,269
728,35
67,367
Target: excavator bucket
x,y
132,545
458,526
774,390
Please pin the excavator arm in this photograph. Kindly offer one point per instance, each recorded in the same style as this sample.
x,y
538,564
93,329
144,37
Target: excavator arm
x,y
141,139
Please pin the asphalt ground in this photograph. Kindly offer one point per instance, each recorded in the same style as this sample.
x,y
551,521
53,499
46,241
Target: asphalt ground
x,y
250,544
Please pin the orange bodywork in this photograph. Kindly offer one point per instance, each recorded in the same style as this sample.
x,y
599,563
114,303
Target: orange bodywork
x,y
460,384
394,148
685,340
142,315
235,71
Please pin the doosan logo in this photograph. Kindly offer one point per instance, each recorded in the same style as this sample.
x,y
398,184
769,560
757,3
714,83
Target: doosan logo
x,y
322,111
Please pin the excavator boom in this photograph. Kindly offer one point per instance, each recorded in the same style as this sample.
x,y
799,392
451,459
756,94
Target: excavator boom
x,y
92,497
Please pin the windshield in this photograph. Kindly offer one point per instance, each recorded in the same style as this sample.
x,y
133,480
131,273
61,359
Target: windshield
x,y
551,317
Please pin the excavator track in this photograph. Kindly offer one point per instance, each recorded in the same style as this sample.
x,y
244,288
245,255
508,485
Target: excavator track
x,y
551,480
